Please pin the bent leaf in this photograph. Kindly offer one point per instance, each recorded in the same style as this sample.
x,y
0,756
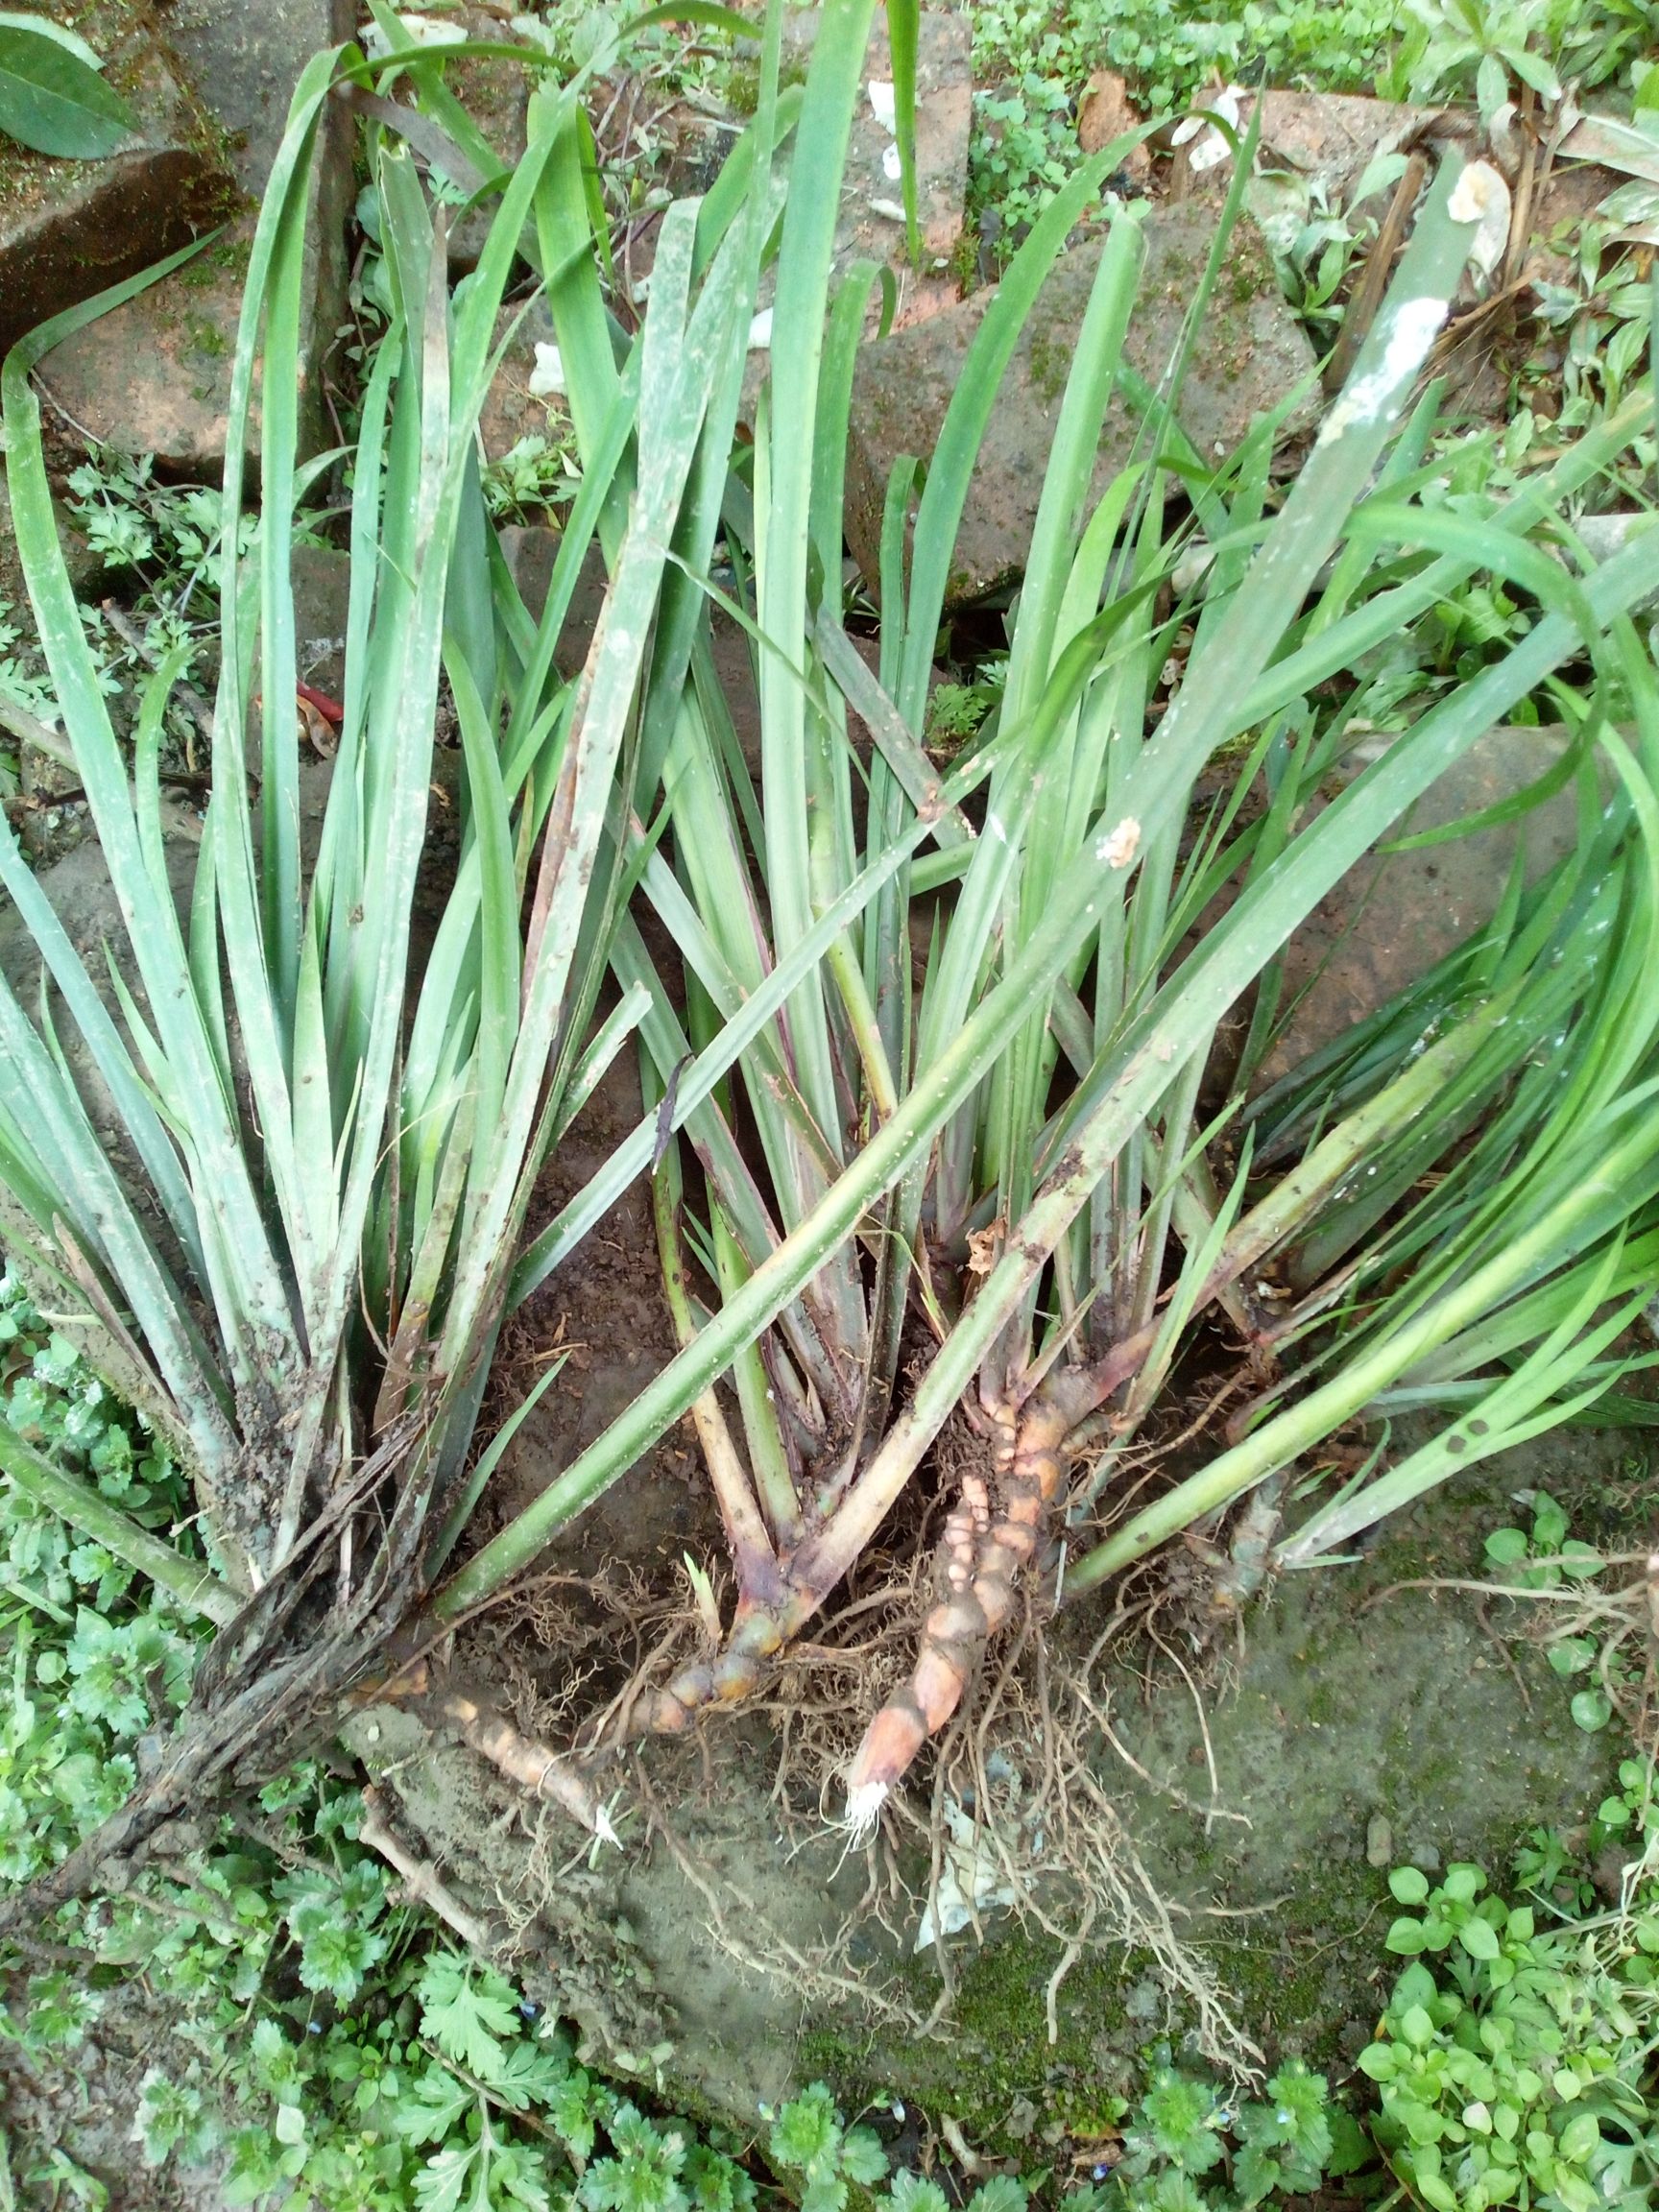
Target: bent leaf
x,y
54,102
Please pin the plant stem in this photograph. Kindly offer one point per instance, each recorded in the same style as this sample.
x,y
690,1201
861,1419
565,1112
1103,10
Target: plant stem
x,y
746,1536
188,1581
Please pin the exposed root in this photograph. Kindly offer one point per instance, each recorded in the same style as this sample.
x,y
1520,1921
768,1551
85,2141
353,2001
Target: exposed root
x,y
1021,1815
828,1975
864,1810
726,1679
1066,1854
535,1769
423,1883
976,1579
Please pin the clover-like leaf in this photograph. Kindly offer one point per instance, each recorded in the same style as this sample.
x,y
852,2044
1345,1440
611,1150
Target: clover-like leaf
x,y
1592,1710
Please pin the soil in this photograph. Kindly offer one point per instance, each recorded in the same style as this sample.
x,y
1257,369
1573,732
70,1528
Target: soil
x,y
604,1309
85,2113
737,1947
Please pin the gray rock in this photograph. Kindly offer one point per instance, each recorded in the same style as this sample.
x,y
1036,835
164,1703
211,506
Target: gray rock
x,y
83,564
943,116
1249,352
154,376
1330,137
1394,915
68,229
530,550
497,97
321,596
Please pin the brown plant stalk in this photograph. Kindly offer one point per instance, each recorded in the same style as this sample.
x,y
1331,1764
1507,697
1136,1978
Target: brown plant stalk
x,y
992,1534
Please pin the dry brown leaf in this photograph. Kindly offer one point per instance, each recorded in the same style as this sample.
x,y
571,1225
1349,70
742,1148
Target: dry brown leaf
x,y
983,1245
316,727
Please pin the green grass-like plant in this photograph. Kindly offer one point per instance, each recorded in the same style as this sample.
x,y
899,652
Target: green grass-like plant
x,y
979,1115
924,1055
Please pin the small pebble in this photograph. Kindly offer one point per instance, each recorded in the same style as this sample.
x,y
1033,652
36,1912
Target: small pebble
x,y
1378,1842
1143,2000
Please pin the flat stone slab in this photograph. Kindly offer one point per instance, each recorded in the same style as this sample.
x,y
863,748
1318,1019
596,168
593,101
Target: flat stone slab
x,y
497,97
322,603
154,376
1250,351
69,229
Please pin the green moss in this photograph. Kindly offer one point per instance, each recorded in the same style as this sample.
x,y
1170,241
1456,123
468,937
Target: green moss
x,y
742,87
997,2056
227,257
1049,359
1303,1971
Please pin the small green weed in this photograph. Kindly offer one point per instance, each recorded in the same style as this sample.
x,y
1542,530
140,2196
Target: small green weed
x,y
96,1660
1559,1872
1188,2148
820,2155
1514,2059
957,712
530,477
1543,1558
1032,60
1513,2070
1494,48
160,542
1600,322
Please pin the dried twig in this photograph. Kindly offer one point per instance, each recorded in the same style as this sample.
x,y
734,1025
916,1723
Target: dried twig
x,y
1373,282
